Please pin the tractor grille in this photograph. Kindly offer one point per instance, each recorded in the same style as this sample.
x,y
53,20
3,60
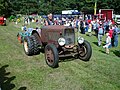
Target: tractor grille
x,y
69,36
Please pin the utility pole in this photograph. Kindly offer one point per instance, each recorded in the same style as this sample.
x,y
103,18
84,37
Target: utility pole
x,y
95,7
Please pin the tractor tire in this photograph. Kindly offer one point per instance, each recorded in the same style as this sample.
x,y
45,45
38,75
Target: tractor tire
x,y
36,45
84,51
28,46
51,56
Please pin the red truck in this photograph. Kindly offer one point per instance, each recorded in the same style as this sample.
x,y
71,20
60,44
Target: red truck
x,y
2,21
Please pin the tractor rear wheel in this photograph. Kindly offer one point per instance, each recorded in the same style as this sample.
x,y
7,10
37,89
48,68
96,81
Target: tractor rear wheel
x,y
36,45
28,46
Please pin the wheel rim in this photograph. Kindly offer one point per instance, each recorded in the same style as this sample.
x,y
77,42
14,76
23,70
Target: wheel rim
x,y
82,51
49,56
26,46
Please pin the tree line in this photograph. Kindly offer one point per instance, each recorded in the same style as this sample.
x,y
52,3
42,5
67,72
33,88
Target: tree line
x,y
13,7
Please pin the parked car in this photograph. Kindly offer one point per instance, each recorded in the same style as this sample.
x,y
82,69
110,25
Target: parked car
x,y
2,21
57,41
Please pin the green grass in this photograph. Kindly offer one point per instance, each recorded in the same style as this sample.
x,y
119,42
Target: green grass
x,y
102,72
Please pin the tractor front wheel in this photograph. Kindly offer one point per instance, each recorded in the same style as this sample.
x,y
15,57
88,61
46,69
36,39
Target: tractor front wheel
x,y
51,56
84,51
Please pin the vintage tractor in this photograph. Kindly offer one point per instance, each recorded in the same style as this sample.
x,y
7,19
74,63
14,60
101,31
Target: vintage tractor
x,y
3,21
26,32
57,41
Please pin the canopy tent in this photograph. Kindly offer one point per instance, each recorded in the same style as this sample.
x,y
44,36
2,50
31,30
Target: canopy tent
x,y
71,12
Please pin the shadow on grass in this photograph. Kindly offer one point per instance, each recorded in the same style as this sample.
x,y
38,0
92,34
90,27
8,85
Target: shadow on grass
x,y
102,51
66,59
87,34
117,53
96,43
71,58
22,88
6,80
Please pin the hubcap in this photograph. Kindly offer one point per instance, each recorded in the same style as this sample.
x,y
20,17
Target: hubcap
x,y
82,51
49,57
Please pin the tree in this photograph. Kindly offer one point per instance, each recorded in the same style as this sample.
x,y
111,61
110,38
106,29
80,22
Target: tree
x,y
5,8
8,7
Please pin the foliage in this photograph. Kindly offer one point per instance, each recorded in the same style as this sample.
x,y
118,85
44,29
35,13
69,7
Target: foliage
x,y
8,7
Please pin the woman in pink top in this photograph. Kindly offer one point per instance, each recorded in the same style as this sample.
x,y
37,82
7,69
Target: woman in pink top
x,y
111,35
110,32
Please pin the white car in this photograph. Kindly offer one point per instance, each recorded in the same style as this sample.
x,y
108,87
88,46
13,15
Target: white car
x,y
118,18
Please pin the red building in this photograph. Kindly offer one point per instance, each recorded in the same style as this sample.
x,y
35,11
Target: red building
x,y
107,14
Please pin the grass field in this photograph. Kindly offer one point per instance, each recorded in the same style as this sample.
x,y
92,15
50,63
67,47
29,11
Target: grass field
x,y
21,72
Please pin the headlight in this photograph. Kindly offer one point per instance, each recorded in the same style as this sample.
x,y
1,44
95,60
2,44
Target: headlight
x,y
80,40
61,41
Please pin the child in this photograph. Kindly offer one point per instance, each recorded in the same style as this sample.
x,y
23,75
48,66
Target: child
x,y
108,43
90,29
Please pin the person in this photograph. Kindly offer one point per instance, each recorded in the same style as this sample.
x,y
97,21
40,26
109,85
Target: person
x,y
104,26
108,43
25,20
38,30
111,34
100,34
107,26
28,32
95,27
115,35
110,31
76,22
86,25
82,24
90,29
49,20
24,28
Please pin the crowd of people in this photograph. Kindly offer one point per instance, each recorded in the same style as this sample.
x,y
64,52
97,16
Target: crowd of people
x,y
100,27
